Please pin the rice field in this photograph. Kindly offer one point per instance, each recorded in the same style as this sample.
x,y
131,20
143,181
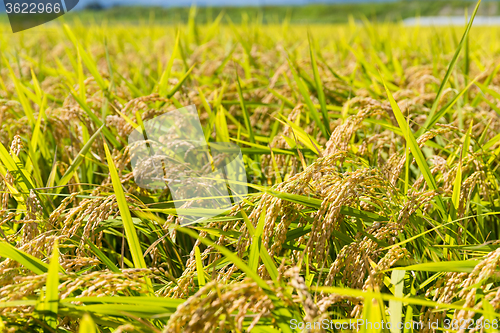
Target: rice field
x,y
372,159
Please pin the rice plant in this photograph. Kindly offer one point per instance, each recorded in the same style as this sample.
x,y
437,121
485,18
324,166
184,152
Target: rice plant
x,y
372,159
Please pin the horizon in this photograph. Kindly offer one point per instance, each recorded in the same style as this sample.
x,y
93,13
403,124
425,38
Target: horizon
x,y
215,3
83,4
218,3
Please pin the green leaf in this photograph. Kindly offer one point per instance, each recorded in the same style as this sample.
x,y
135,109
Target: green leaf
x,y
180,83
14,304
302,136
369,295
316,203
227,253
451,66
16,169
488,318
163,84
51,300
222,132
112,267
128,225
319,88
30,262
415,149
139,300
269,264
89,62
87,325
199,267
246,116
285,100
94,118
78,160
254,256
275,167
121,310
28,110
396,307
491,142
33,144
448,106
305,95
465,266
457,185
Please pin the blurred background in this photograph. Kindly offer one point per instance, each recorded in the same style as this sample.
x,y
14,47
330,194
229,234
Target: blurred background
x,y
437,12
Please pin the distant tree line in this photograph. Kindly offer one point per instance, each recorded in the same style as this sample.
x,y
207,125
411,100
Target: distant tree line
x,y
95,6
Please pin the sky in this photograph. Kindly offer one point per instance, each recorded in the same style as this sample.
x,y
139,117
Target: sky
x,y
188,3
180,3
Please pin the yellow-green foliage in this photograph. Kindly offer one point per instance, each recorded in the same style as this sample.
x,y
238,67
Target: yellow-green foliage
x,y
372,158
